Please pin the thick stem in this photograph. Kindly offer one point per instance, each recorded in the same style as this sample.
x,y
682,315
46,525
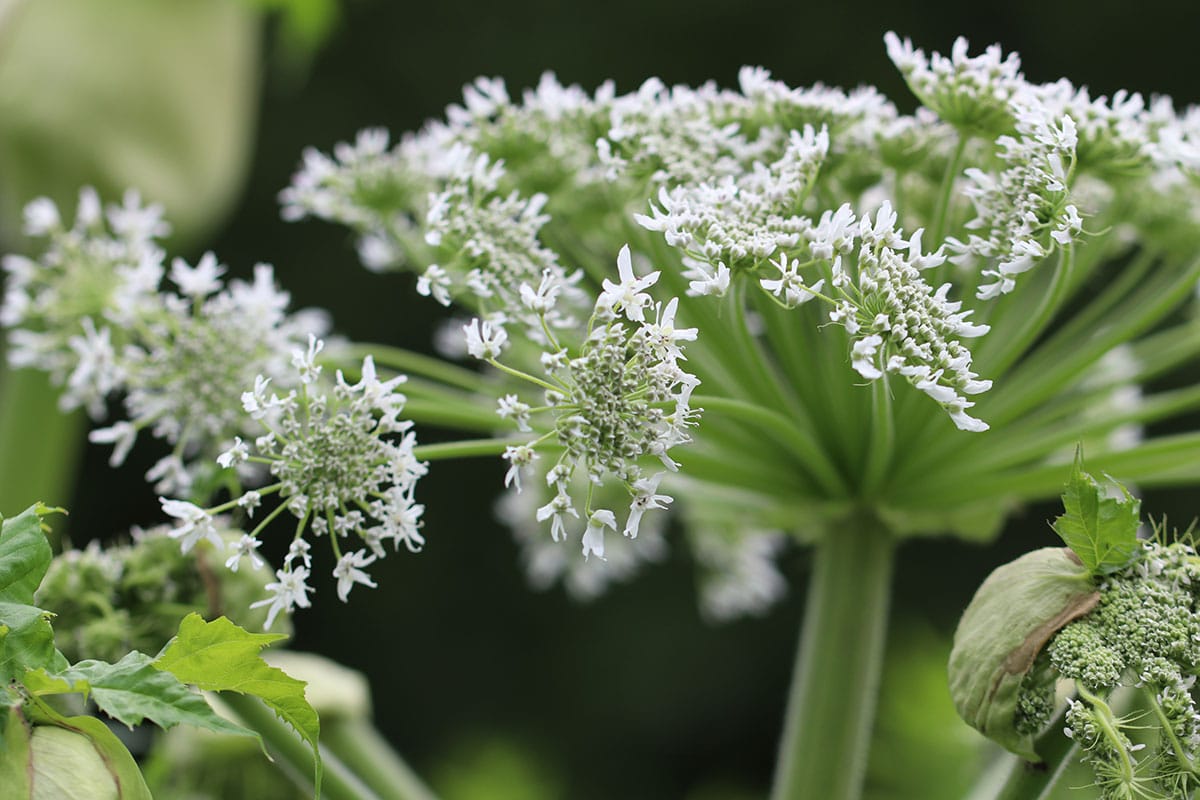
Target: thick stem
x,y
39,445
293,756
827,732
360,747
1029,781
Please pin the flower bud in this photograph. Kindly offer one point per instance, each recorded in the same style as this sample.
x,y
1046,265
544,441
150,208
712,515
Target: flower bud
x,y
1015,612
66,766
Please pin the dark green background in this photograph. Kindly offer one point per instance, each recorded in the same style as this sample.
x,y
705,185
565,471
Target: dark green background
x,y
633,697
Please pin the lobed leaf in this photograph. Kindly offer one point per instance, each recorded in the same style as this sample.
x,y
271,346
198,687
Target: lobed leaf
x,y
132,691
219,656
26,641
1101,530
24,555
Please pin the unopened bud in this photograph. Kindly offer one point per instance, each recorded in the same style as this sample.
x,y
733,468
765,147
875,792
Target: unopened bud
x,y
1015,612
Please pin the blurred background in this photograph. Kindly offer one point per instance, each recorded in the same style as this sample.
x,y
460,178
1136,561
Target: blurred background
x,y
491,690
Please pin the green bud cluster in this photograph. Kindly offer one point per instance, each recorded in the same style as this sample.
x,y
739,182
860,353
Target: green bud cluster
x,y
131,596
1144,633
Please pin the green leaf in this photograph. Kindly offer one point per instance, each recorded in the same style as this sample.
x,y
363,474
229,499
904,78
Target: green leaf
x,y
219,656
1101,530
15,758
24,556
132,691
26,641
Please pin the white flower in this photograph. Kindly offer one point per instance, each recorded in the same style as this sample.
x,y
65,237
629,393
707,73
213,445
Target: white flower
x,y
349,572
715,284
518,457
510,407
435,283
593,537
662,335
199,281
626,296
485,341
121,435
645,498
194,524
305,361
556,511
238,453
245,547
290,590
299,549
250,501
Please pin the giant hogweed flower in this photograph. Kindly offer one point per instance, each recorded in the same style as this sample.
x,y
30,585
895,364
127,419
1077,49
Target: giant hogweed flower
x,y
987,252
341,461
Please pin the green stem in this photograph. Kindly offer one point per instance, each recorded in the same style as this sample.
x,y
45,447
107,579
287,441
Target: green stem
x,y
826,736
293,756
465,449
881,446
1028,781
360,747
412,363
772,422
942,211
39,445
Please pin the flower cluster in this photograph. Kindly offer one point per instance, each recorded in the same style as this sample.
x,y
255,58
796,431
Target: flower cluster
x,y
941,245
617,398
1144,633
94,312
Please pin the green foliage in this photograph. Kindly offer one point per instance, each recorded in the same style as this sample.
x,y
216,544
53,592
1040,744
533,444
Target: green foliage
x,y
1101,530
215,656
132,691
219,656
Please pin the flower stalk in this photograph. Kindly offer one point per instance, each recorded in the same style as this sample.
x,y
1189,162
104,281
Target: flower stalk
x,y
831,707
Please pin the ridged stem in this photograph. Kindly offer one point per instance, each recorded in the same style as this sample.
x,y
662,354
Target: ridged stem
x,y
835,686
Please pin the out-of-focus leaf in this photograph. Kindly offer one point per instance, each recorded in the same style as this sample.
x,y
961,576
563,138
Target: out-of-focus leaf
x,y
155,95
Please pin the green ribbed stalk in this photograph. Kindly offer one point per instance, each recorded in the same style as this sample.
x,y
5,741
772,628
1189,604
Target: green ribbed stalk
x,y
827,731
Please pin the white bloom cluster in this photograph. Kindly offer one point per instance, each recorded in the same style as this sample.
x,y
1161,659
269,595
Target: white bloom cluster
x,y
343,465
186,368
617,399
741,221
487,244
806,194
102,271
970,92
342,457
364,185
739,576
901,325
1022,211
93,311
547,563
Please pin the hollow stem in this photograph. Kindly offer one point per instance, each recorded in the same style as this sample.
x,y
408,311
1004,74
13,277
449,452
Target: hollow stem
x,y
360,747
1029,781
827,730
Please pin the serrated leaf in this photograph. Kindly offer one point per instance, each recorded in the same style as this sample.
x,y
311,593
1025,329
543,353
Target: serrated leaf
x,y
132,691
24,556
1101,530
26,641
219,656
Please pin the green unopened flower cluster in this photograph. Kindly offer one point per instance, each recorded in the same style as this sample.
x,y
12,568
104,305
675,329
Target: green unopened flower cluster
x,y
1112,613
1145,632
